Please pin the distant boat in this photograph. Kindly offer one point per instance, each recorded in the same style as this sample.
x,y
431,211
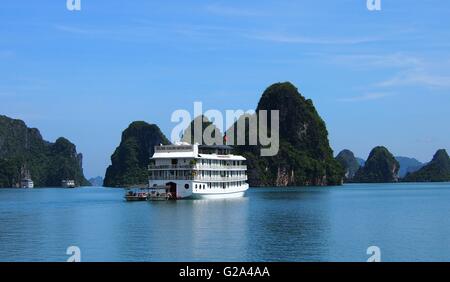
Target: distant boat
x,y
68,183
27,183
25,175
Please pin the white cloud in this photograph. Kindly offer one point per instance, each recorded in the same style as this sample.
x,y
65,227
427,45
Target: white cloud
x,y
409,70
144,29
231,11
77,30
291,38
417,78
366,97
396,60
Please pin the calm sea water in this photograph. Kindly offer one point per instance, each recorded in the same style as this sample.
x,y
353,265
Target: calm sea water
x,y
408,222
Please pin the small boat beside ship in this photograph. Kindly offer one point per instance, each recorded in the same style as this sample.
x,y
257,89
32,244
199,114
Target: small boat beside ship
x,y
136,194
158,193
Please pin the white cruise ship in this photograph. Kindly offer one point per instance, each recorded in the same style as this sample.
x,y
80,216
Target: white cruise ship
x,y
198,171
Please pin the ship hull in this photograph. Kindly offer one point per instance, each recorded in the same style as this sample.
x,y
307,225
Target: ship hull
x,y
227,195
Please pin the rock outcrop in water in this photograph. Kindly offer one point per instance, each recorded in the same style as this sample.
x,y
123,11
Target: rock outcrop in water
x,y
23,152
350,164
438,170
305,156
129,162
380,167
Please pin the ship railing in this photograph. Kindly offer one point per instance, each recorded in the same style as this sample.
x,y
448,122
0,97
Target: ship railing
x,y
221,167
200,178
231,178
156,167
171,177
198,166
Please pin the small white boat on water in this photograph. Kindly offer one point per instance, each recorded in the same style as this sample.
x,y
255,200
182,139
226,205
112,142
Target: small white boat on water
x,y
68,183
27,183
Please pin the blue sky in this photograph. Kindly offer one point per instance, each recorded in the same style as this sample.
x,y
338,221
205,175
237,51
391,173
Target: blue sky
x,y
376,78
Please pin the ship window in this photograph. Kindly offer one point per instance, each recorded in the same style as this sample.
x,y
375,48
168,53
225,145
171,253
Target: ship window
x,y
186,186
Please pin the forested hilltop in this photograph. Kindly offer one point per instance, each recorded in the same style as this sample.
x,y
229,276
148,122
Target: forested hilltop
x,y
380,167
130,160
349,163
305,157
23,152
438,170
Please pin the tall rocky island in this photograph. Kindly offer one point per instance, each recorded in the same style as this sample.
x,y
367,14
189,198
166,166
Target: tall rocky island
x,y
305,157
438,170
380,167
349,162
24,153
129,162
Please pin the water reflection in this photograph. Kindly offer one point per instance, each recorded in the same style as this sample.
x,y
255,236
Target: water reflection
x,y
285,233
220,229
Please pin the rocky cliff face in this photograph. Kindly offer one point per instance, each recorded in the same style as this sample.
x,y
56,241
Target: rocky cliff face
x,y
305,156
380,167
23,151
129,162
206,127
438,170
350,164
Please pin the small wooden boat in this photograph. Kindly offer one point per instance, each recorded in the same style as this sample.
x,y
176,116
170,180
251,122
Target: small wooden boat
x,y
133,195
159,193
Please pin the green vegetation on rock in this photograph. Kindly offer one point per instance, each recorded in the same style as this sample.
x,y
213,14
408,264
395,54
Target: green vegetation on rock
x,y
23,151
305,156
129,162
438,170
380,167
348,161
207,128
